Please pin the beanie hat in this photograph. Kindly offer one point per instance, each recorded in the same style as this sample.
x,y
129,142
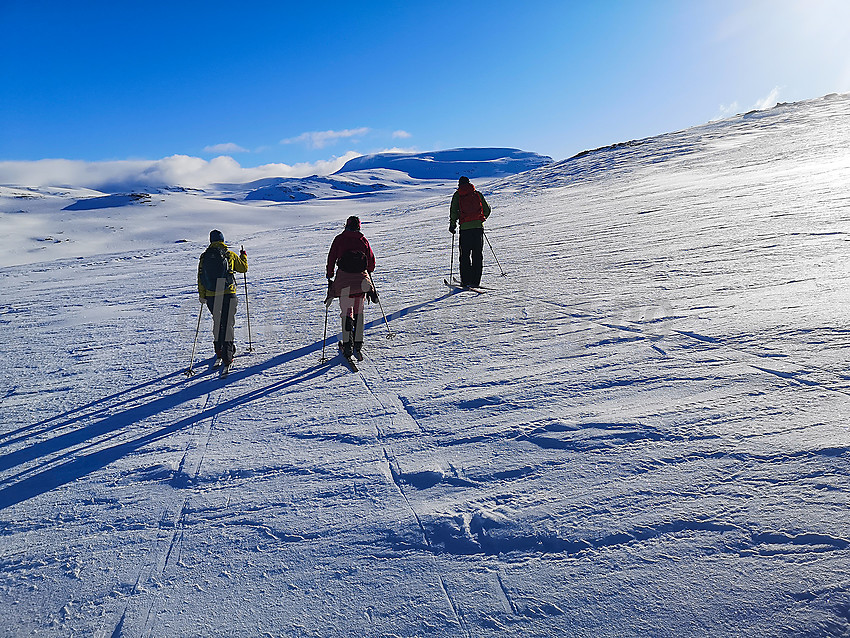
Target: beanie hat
x,y
352,223
463,180
216,235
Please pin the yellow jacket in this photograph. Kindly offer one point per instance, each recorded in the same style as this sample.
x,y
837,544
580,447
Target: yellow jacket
x,y
238,263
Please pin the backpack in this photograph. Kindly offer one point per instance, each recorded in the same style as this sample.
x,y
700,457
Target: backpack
x,y
471,207
352,261
215,265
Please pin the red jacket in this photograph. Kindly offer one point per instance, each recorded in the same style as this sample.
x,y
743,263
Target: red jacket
x,y
345,241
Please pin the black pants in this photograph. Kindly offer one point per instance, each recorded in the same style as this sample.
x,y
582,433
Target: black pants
x,y
223,309
471,256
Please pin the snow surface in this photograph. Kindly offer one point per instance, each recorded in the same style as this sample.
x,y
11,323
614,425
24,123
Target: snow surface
x,y
641,431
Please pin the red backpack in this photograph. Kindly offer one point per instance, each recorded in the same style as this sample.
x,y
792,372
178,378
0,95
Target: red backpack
x,y
471,208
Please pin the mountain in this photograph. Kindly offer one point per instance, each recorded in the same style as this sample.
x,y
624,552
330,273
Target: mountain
x,y
639,430
451,164
371,174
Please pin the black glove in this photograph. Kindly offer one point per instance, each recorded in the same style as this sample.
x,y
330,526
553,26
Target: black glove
x,y
330,294
452,229
372,296
243,254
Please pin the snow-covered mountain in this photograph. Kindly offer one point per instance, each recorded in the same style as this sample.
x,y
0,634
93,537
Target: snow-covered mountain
x,y
639,431
370,174
451,164
50,222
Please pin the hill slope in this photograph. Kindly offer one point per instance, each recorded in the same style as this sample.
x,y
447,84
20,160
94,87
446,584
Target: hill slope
x,y
639,431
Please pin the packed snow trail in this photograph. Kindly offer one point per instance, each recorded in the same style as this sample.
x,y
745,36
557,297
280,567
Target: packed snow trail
x,y
641,435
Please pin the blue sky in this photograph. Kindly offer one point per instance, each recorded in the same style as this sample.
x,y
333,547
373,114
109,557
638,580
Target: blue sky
x,y
294,83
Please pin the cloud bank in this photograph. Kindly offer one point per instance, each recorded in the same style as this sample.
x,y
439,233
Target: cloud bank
x,y
177,170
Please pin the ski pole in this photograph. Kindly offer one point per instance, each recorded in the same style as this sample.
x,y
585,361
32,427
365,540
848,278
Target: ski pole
x,y
325,335
452,266
190,372
247,310
504,274
390,334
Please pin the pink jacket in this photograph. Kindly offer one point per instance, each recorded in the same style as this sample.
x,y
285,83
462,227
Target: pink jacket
x,y
345,241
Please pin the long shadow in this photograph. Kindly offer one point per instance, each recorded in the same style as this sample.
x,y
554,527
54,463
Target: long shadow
x,y
82,465
114,424
105,404
51,423
143,411
406,311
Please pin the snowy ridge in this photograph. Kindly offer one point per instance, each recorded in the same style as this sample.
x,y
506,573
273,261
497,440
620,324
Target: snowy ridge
x,y
639,432
451,164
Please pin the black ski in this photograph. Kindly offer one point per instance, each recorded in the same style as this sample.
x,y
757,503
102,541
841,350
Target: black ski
x,y
348,360
458,286
457,282
224,370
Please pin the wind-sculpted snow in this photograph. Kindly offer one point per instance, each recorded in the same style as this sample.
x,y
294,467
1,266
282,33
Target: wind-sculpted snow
x,y
639,431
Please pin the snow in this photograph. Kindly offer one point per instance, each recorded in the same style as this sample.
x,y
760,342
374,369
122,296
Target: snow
x,y
640,431
452,163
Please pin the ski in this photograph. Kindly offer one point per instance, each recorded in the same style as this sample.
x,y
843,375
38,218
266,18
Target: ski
x,y
458,283
224,370
458,286
348,360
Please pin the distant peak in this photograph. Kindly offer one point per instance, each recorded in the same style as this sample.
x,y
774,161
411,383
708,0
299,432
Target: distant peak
x,y
451,163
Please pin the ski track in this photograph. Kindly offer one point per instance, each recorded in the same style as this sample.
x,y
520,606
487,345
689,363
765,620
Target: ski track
x,y
172,529
392,405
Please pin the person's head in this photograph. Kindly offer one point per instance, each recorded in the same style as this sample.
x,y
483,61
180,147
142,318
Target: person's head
x,y
216,235
353,223
463,180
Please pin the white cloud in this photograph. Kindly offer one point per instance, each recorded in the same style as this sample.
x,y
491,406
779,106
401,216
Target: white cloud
x,y
321,139
401,135
177,170
768,101
228,147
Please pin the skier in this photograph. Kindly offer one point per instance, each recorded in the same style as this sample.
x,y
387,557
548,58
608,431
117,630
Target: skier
x,y
353,259
470,209
217,289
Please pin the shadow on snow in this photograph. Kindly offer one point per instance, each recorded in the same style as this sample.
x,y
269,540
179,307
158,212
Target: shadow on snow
x,y
75,464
